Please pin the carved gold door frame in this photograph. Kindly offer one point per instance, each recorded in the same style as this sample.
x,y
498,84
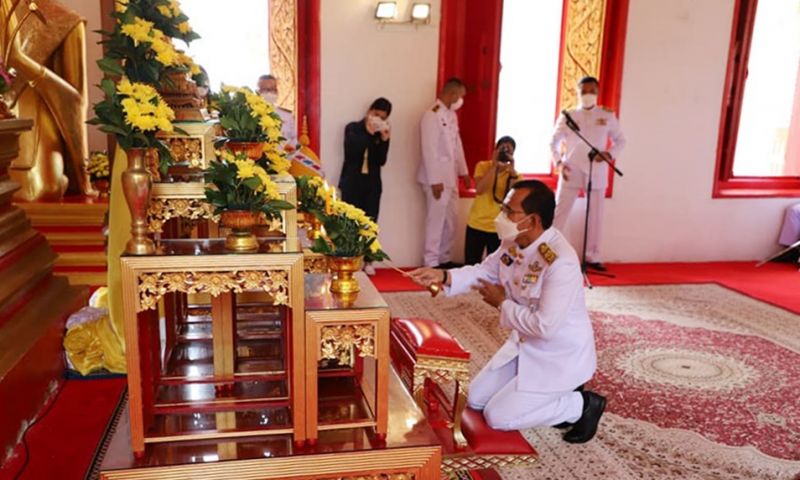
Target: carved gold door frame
x,y
582,50
283,50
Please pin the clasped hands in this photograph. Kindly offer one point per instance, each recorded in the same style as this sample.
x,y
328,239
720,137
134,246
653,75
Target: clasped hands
x,y
492,293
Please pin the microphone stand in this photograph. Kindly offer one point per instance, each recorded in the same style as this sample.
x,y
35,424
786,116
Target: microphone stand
x,y
593,153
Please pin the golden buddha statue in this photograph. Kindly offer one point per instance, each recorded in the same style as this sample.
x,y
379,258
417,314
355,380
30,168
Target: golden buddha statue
x,y
49,56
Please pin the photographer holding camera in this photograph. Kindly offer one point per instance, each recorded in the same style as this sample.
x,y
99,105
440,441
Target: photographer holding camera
x,y
493,180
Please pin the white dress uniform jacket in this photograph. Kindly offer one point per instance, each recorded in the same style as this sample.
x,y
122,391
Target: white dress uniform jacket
x,y
598,125
288,127
443,158
442,163
545,309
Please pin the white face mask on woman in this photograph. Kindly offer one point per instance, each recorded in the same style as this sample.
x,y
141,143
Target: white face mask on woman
x,y
506,228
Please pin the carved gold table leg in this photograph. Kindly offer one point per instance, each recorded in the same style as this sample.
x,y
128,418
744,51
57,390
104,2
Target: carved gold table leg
x,y
458,410
223,325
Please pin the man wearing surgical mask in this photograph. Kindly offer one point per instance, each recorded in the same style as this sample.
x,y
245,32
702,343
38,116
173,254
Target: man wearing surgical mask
x,y
599,126
443,163
268,89
534,279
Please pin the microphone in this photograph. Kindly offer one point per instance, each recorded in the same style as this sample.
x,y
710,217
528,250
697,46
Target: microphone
x,y
570,121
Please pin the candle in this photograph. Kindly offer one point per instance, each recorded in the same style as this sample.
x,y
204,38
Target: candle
x,y
327,189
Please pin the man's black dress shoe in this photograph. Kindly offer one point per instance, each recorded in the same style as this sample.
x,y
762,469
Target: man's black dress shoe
x,y
563,425
597,266
586,426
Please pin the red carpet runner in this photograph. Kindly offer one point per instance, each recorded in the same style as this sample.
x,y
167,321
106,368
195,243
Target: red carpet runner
x,y
63,444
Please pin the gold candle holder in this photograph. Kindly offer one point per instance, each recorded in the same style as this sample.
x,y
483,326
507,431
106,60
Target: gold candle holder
x,y
136,185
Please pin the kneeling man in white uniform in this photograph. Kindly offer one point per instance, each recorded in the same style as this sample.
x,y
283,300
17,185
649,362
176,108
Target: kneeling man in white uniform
x,y
535,280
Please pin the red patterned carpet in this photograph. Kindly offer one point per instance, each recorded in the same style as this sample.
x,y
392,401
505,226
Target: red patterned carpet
x,y
733,389
702,383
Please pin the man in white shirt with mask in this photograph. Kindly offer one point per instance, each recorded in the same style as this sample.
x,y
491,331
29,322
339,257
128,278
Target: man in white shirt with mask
x,y
571,158
268,89
443,163
535,281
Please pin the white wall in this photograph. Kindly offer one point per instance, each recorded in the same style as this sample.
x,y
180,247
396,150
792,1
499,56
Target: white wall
x,y
361,61
662,210
90,10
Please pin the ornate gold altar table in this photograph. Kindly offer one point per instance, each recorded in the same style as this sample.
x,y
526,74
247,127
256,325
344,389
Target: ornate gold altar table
x,y
173,395
339,329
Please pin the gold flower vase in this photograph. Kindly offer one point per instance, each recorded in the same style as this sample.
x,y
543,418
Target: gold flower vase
x,y
253,150
136,186
241,223
344,269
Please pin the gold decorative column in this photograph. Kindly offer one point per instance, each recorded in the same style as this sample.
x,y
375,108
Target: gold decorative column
x,y
282,50
582,50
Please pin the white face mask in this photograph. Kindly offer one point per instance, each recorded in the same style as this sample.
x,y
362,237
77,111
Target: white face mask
x,y
506,228
588,100
457,104
270,97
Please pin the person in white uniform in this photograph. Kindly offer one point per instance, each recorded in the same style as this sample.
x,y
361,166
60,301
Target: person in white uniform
x,y
268,89
571,158
535,281
443,163
790,234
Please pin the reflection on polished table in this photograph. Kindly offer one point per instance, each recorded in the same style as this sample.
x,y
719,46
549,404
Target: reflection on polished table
x,y
221,373
411,448
346,330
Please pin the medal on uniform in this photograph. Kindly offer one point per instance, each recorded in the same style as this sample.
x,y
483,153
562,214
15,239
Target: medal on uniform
x,y
506,259
530,279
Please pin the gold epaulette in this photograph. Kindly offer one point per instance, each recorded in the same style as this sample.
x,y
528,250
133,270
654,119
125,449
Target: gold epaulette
x,y
547,253
435,108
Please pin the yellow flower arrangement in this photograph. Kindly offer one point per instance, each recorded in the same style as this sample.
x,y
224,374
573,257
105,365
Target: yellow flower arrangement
x,y
278,162
237,183
134,112
143,31
350,233
238,103
98,166
311,194
144,108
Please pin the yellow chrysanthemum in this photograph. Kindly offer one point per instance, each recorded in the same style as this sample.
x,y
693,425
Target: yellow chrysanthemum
x,y
164,10
125,87
175,6
144,108
375,246
139,31
245,169
184,27
121,6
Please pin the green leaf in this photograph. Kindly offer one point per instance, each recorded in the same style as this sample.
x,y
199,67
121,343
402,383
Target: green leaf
x,y
110,66
253,183
112,129
107,86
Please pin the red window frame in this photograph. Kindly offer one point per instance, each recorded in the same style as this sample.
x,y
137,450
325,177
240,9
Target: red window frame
x,y
726,185
469,48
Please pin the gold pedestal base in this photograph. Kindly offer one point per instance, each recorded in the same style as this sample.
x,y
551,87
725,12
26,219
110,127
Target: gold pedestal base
x,y
343,269
241,241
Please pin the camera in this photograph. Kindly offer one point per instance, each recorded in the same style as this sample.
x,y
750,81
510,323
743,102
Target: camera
x,y
503,156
